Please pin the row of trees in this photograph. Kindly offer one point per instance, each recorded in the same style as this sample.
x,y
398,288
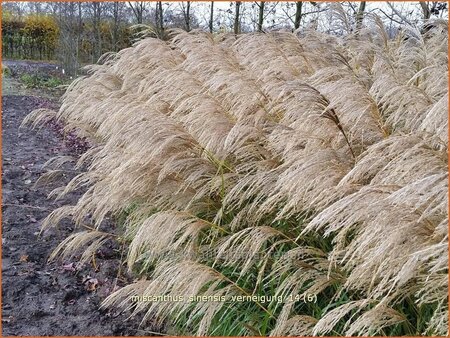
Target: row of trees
x,y
80,32
34,37
242,17
72,32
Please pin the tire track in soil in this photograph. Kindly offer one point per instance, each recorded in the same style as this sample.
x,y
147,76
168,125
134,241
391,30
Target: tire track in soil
x,y
43,299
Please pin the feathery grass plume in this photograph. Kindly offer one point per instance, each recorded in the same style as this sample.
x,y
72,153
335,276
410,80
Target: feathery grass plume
x,y
163,234
179,282
296,167
374,320
296,326
67,248
333,317
38,117
240,249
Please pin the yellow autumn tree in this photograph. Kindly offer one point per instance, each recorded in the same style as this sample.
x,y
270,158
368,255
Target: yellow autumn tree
x,y
42,32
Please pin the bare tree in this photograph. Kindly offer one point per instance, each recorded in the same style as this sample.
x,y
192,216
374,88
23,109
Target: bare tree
x,y
96,18
237,19
159,18
80,29
115,30
399,14
431,7
425,9
138,8
69,38
211,17
360,15
117,8
298,14
186,15
261,16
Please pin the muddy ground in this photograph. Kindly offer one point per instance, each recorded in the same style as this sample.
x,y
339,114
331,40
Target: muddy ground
x,y
40,298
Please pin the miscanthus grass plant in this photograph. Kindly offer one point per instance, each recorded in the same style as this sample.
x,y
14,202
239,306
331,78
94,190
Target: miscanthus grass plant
x,y
311,169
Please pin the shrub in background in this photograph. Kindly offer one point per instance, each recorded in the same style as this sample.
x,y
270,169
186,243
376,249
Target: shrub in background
x,y
35,36
38,37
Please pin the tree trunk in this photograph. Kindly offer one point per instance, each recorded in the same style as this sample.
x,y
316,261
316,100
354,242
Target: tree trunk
x,y
68,45
138,11
97,34
237,26
425,9
298,14
211,17
79,30
187,16
360,16
159,19
115,32
261,16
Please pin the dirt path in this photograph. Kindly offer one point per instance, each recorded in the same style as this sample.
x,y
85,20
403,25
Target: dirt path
x,y
38,298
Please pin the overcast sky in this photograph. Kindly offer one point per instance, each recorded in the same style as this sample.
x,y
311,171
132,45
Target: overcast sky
x,y
280,14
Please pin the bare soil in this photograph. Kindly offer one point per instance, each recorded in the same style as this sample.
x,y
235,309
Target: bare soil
x,y
41,298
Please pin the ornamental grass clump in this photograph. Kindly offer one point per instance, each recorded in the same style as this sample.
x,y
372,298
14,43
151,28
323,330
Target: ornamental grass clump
x,y
306,175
